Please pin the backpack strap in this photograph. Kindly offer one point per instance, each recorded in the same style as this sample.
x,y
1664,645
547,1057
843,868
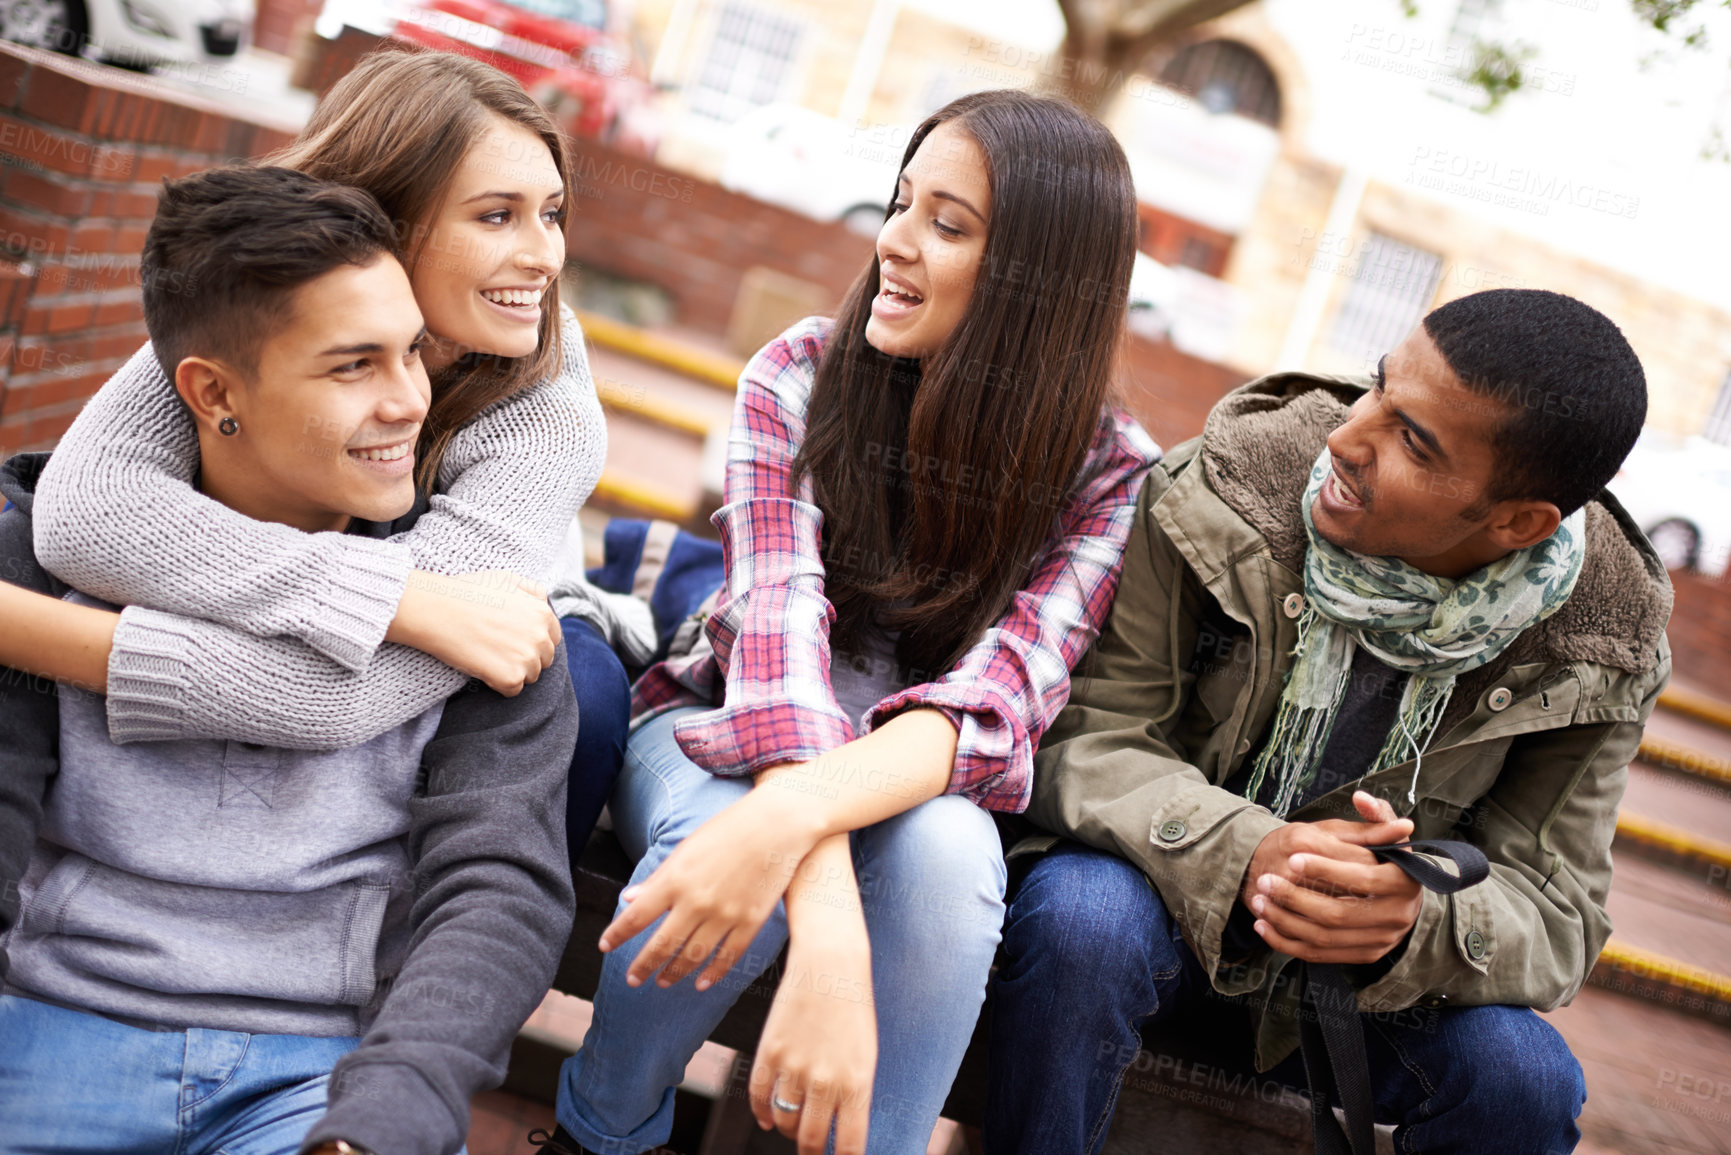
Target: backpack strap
x,y
1329,1031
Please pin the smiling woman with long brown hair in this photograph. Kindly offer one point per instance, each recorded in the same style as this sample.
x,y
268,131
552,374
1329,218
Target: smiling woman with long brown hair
x,y
926,504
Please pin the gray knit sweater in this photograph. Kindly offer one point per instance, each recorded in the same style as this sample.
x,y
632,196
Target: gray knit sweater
x,y
270,635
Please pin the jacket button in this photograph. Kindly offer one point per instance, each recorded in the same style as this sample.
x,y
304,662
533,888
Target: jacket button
x,y
1475,945
1171,830
1293,605
1437,1000
1499,699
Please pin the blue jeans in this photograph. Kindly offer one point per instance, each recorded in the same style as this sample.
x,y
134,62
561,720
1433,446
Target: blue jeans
x,y
932,885
603,714
75,1082
1093,963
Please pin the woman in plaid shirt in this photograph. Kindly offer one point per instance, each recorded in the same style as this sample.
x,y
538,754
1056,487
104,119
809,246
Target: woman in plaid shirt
x,y
926,504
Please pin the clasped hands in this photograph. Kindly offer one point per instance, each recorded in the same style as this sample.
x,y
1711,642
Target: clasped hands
x,y
1320,896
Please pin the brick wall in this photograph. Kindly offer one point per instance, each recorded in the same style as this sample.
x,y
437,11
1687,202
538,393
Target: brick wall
x,y
1700,632
82,150
274,27
695,239
1169,391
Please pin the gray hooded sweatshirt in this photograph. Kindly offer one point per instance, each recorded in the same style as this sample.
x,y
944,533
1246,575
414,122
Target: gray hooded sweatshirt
x,y
230,886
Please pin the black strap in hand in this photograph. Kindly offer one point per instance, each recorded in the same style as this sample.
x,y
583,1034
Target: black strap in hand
x,y
1329,1031
1469,860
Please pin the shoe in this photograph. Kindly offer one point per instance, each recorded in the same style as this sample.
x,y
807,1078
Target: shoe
x,y
559,1142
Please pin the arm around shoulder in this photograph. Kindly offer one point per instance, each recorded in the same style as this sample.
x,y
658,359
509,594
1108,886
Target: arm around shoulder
x,y
172,678
255,631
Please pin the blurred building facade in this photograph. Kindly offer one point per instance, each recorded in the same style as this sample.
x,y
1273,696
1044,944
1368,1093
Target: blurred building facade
x,y
1311,189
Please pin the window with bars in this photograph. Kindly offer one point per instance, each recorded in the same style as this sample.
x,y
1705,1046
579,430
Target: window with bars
x,y
1718,427
1225,76
749,63
1390,292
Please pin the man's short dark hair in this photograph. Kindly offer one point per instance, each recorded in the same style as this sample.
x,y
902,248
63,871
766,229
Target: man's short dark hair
x,y
229,247
1573,388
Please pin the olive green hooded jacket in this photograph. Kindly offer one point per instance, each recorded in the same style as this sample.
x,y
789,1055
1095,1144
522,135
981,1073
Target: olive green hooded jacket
x,y
1528,762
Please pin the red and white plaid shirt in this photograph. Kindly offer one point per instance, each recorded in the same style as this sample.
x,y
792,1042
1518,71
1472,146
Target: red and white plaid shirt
x,y
767,667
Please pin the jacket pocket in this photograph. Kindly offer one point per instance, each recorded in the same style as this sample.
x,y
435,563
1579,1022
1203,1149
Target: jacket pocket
x,y
45,904
316,947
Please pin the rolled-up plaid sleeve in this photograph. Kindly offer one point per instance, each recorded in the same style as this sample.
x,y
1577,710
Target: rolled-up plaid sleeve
x,y
770,630
1009,686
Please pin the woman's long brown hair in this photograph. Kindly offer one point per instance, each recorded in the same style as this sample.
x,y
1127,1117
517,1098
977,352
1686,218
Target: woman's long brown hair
x,y
942,481
399,125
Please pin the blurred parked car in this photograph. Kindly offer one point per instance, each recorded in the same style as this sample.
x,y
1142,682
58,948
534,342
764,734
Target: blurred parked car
x,y
560,50
1678,490
132,33
814,164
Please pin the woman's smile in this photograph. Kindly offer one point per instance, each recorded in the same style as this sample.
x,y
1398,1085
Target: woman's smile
x,y
519,305
897,299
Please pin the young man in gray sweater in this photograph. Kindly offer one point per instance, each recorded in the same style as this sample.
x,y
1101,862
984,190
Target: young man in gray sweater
x,y
217,946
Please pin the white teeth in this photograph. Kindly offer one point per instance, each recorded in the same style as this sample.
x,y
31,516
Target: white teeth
x,y
389,453
891,291
512,296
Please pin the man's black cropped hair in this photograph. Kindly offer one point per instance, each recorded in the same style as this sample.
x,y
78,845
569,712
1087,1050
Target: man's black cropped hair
x,y
1572,387
229,247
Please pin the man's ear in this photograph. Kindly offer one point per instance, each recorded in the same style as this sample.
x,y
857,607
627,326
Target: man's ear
x,y
209,389
1519,524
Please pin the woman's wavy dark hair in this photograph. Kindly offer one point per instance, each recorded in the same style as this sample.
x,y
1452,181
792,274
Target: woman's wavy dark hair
x,y
941,480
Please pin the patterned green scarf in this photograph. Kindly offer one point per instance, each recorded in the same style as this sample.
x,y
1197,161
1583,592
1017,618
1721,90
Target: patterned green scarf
x,y
1430,628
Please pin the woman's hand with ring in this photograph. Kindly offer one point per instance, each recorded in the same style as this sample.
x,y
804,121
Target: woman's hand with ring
x,y
818,1054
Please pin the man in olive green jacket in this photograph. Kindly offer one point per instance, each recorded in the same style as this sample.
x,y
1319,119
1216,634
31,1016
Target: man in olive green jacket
x,y
1467,457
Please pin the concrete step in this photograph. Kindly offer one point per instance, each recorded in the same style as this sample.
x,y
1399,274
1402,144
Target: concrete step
x,y
1701,703
1670,729
660,411
677,351
1661,910
655,393
1658,1082
1677,815
651,471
